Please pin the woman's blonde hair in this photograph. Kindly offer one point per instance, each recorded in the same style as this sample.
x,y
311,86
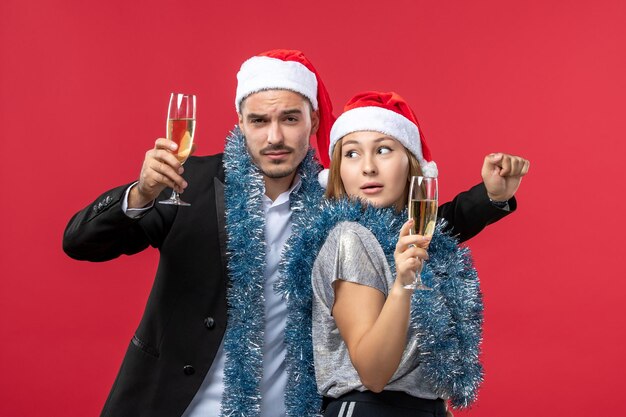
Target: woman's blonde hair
x,y
335,188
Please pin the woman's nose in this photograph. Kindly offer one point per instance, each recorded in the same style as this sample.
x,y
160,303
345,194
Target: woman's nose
x,y
369,167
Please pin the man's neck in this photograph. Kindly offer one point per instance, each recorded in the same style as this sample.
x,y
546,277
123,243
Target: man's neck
x,y
276,186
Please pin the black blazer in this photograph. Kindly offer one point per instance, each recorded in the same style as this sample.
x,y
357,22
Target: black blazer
x,y
185,316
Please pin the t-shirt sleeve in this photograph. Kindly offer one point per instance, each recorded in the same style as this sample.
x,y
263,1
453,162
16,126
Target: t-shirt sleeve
x,y
350,253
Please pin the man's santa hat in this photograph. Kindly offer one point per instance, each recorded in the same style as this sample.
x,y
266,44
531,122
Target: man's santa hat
x,y
389,114
284,69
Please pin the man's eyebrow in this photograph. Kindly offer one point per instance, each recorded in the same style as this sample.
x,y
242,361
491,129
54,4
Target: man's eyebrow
x,y
256,116
291,111
265,116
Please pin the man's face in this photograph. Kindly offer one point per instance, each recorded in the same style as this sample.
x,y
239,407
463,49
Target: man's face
x,y
277,125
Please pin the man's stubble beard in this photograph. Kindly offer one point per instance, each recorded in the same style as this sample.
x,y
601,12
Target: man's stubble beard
x,y
281,173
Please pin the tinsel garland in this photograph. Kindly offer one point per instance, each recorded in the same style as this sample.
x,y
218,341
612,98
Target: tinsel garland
x,y
447,319
243,341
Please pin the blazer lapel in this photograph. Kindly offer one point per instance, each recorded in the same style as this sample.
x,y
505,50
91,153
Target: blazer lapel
x,y
221,221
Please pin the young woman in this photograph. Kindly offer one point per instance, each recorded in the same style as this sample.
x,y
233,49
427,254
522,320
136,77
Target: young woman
x,y
380,349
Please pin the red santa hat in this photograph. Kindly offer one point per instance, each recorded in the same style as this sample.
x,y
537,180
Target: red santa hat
x,y
285,69
389,114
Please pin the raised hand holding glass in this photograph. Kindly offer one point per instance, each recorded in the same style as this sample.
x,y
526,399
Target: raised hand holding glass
x,y
181,124
423,203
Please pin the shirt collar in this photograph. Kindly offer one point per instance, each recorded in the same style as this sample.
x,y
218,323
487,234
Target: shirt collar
x,y
284,197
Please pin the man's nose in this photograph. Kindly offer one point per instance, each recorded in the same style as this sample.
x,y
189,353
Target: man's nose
x,y
274,134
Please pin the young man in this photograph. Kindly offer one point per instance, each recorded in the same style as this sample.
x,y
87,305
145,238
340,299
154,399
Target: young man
x,y
212,337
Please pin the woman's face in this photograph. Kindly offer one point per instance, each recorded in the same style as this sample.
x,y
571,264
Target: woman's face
x,y
374,167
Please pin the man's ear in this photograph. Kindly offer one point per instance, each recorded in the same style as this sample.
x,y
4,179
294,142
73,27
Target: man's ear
x,y
240,117
315,121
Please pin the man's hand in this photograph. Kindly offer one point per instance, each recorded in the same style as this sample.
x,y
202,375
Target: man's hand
x,y
160,169
502,174
448,411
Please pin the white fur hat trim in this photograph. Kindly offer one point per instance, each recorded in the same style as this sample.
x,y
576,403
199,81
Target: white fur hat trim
x,y
387,122
264,73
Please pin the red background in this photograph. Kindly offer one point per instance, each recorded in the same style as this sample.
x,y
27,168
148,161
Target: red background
x,y
83,94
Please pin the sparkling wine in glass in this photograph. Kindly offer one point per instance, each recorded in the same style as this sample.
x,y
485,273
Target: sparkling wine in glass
x,y
423,196
181,123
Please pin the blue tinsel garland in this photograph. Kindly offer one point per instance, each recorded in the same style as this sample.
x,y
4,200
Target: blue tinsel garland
x,y
243,342
448,319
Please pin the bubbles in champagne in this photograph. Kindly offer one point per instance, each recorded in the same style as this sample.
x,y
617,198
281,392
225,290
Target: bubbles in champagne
x,y
181,131
424,215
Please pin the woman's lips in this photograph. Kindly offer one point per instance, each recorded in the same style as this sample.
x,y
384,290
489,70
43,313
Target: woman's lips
x,y
371,188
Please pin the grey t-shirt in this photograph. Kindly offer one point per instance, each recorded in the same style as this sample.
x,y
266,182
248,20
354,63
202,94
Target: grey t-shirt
x,y
352,253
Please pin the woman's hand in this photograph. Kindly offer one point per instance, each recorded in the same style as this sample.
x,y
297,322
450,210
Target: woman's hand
x,y
409,254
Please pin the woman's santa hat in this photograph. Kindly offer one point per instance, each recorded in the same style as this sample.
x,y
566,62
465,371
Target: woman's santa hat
x,y
389,114
284,69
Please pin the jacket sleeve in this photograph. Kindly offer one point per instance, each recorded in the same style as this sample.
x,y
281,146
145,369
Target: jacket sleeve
x,y
471,211
102,231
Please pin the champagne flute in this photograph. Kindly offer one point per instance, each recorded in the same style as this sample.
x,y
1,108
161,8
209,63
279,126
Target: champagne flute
x,y
423,196
181,123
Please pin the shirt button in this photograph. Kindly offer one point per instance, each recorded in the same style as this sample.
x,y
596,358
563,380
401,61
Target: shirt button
x,y
188,370
209,322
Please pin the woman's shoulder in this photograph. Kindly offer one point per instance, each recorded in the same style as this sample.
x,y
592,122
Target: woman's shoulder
x,y
350,253
350,238
350,229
